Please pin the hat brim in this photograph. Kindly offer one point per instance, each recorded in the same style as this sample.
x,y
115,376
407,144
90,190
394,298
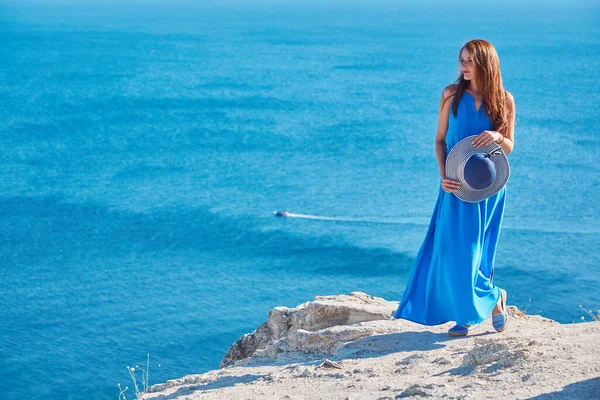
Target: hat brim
x,y
455,167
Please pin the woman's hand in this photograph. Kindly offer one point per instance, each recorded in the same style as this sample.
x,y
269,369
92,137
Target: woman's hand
x,y
450,185
486,138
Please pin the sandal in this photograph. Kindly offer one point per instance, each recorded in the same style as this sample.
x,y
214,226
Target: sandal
x,y
462,330
499,321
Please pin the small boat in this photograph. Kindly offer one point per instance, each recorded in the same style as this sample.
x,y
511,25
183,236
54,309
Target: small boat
x,y
284,213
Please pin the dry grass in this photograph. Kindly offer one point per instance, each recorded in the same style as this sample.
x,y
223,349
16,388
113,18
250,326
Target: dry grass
x,y
144,380
595,317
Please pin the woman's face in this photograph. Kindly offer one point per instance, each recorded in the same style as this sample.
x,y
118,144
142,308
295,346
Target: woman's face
x,y
467,66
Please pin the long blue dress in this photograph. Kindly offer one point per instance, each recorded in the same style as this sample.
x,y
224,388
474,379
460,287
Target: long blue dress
x,y
452,276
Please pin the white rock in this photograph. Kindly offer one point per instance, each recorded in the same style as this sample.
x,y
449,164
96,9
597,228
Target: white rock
x,y
380,357
318,326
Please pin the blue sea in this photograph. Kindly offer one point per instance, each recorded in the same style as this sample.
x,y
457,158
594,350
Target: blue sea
x,y
146,145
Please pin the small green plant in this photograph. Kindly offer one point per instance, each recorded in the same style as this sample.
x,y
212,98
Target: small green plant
x,y
595,317
144,380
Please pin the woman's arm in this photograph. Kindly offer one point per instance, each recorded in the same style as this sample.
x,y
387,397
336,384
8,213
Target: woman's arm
x,y
448,185
508,143
440,137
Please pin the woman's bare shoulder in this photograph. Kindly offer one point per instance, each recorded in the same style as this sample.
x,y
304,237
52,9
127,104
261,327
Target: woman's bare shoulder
x,y
510,100
447,94
449,91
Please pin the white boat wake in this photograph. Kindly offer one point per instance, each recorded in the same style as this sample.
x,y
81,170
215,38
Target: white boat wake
x,y
343,219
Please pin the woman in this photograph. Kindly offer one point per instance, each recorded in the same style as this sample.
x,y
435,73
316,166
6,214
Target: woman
x,y
452,276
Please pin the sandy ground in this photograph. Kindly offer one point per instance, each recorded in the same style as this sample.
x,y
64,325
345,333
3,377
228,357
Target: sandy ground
x,y
534,358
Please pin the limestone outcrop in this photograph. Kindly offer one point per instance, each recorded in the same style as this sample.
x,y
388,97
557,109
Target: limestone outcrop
x,y
319,326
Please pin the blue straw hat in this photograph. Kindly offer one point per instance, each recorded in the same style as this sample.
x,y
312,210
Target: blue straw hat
x,y
482,171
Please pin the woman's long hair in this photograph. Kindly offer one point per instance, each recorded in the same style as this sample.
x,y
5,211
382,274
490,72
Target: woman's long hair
x,y
489,82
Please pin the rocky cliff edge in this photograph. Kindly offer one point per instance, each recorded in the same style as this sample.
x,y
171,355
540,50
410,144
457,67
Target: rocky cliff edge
x,y
350,347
